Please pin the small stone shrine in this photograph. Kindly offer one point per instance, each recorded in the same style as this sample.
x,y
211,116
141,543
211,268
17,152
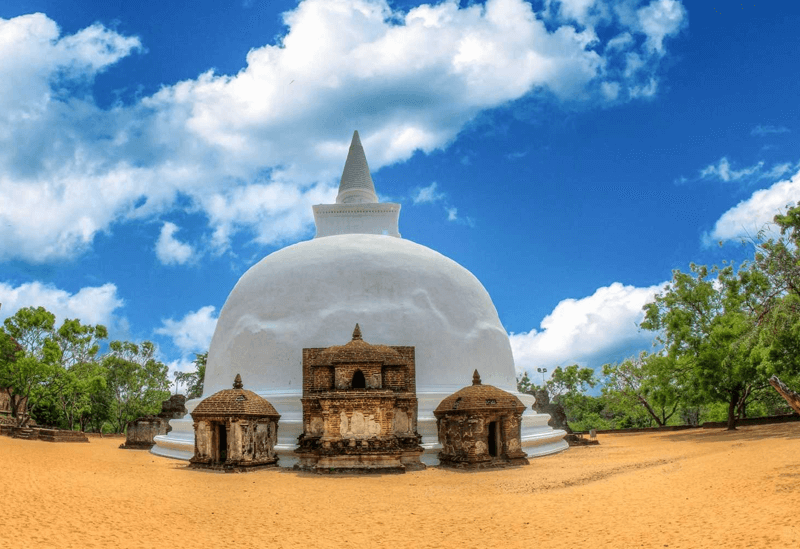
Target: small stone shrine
x,y
479,427
234,430
359,409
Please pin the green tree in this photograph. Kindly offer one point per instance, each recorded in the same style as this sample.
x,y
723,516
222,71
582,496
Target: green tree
x,y
707,325
138,383
646,381
194,380
27,357
77,376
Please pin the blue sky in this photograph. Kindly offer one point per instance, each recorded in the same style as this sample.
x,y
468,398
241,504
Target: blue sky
x,y
570,154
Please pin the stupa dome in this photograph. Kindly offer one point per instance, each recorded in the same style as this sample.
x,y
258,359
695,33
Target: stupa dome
x,y
359,270
403,293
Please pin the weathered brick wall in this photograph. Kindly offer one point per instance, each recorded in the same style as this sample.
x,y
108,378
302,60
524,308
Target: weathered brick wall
x,y
249,442
464,436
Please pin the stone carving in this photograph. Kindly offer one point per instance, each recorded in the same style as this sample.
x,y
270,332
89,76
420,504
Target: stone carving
x,y
479,426
140,432
558,418
359,409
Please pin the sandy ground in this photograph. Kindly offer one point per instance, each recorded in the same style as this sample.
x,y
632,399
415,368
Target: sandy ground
x,y
689,489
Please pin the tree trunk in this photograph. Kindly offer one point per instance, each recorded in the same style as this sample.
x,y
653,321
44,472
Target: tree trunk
x,y
790,396
650,411
732,410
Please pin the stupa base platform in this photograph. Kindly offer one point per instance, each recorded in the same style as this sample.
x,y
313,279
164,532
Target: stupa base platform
x,y
538,438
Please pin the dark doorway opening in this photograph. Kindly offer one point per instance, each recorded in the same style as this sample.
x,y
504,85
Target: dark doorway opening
x,y
493,439
358,380
222,447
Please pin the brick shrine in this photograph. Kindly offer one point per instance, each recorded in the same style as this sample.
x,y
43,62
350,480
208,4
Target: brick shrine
x,y
234,430
359,409
479,427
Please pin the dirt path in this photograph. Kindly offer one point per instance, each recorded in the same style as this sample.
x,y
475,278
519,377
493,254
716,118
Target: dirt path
x,y
686,489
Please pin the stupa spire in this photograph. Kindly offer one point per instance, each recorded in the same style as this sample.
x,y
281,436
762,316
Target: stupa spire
x,y
357,333
476,378
356,185
237,383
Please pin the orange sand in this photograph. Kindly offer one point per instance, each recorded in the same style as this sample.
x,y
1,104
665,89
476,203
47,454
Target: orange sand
x,y
691,489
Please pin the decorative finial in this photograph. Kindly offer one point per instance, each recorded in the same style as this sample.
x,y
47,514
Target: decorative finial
x,y
237,383
476,378
357,333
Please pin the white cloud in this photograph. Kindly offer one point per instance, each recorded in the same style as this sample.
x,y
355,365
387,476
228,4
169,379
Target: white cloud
x,y
722,170
645,90
610,90
253,150
660,19
620,42
426,195
767,130
589,331
92,305
452,214
749,216
192,333
170,250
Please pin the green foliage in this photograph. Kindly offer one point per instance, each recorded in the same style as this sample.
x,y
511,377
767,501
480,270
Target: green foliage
x,y
136,381
644,383
194,380
27,356
65,382
707,326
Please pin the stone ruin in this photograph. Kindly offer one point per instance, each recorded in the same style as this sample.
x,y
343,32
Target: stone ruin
x,y
141,431
359,409
480,427
558,418
235,430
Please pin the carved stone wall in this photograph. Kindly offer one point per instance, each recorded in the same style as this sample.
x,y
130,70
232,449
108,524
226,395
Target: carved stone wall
x,y
368,427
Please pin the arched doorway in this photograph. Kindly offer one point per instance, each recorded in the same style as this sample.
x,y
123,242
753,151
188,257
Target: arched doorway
x,y
359,382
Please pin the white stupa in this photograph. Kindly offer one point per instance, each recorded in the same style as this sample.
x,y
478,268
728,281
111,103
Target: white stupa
x,y
358,270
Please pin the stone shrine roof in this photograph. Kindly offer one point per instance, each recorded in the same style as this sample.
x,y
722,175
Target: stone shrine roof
x,y
479,397
235,402
358,350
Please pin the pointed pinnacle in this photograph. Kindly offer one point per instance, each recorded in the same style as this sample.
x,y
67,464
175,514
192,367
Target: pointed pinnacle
x,y
357,332
476,378
237,383
356,185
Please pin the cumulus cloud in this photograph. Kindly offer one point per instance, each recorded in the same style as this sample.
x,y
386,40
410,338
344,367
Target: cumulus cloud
x,y
589,331
170,250
253,150
193,332
749,216
91,305
660,19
